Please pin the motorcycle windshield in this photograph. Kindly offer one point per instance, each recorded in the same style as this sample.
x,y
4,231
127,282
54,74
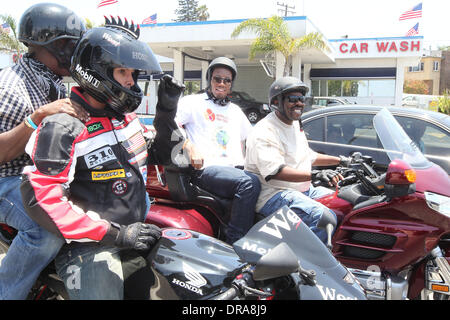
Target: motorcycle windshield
x,y
285,226
396,142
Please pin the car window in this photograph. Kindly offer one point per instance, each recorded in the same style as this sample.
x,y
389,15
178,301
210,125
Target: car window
x,y
429,138
352,129
320,102
314,130
333,102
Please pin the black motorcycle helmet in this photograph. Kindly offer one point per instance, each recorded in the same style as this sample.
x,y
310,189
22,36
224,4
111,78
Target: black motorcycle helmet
x,y
221,62
44,24
281,87
103,49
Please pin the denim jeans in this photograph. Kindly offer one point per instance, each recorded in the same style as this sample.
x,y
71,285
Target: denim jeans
x,y
241,187
91,271
31,250
303,204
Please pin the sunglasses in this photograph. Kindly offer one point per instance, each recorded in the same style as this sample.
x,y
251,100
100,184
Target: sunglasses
x,y
294,99
222,80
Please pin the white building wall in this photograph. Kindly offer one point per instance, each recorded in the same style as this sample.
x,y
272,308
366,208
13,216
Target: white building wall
x,y
254,81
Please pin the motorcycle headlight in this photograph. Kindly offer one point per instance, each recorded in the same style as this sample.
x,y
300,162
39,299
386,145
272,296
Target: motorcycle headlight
x,y
265,107
438,203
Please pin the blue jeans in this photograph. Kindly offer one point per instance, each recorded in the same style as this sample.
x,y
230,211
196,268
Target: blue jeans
x,y
241,187
31,250
303,204
91,271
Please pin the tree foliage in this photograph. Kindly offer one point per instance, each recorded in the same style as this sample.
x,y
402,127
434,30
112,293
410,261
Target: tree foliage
x,y
444,102
273,35
415,87
189,10
9,41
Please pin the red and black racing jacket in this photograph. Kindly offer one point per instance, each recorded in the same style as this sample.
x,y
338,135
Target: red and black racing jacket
x,y
86,175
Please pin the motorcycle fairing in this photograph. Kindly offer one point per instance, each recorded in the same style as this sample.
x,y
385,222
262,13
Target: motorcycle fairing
x,y
285,226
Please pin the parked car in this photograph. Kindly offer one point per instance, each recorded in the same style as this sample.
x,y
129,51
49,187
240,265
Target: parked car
x,y
254,110
343,130
329,101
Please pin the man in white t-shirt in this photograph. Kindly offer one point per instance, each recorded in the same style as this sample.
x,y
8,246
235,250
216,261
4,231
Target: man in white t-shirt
x,y
216,132
277,150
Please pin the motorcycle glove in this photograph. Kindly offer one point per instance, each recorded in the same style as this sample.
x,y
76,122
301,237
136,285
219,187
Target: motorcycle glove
x,y
138,236
323,175
169,92
345,161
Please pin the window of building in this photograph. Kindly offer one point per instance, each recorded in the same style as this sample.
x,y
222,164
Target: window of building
x,y
353,88
435,65
382,88
334,88
417,68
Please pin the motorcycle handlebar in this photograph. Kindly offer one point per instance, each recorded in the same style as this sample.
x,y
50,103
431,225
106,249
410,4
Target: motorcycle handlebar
x,y
229,294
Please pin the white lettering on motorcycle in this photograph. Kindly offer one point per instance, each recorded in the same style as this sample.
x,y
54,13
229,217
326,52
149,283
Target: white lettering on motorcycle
x,y
254,247
330,294
273,225
195,280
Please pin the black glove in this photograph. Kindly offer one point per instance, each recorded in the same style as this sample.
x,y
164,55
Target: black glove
x,y
169,92
324,175
345,161
139,236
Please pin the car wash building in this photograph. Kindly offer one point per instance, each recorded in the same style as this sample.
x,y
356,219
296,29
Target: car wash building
x,y
364,70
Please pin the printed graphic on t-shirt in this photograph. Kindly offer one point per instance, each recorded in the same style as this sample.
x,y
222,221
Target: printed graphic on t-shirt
x,y
209,115
222,139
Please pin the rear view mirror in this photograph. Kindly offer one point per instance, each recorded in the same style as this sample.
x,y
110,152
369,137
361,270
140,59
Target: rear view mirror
x,y
400,179
278,262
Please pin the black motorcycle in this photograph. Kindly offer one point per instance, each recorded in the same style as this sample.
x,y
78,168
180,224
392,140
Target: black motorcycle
x,y
279,258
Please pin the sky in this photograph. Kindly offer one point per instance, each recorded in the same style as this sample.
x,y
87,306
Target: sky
x,y
334,18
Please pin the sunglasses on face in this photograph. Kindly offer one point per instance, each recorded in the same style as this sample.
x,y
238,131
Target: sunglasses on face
x,y
221,80
294,99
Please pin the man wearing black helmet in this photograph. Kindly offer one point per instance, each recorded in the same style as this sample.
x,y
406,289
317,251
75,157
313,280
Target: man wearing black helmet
x,y
29,91
216,131
89,186
277,150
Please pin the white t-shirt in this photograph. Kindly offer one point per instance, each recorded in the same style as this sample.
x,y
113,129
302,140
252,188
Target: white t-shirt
x,y
271,145
217,131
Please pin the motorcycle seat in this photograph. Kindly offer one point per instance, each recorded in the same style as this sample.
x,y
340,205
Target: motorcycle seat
x,y
182,189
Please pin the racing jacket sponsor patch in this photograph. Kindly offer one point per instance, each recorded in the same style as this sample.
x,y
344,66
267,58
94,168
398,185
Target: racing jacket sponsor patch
x,y
106,175
99,156
94,127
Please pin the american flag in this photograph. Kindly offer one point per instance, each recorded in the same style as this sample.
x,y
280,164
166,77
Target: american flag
x,y
413,31
415,12
5,27
150,20
106,3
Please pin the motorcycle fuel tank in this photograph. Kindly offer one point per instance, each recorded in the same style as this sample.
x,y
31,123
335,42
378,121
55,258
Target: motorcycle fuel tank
x,y
189,265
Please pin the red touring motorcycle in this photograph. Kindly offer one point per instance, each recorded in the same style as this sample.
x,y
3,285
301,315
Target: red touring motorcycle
x,y
393,228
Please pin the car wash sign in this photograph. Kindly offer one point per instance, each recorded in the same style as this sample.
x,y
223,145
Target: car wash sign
x,y
378,47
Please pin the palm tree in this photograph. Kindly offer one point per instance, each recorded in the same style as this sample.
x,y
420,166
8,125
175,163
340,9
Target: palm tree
x,y
9,41
273,35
